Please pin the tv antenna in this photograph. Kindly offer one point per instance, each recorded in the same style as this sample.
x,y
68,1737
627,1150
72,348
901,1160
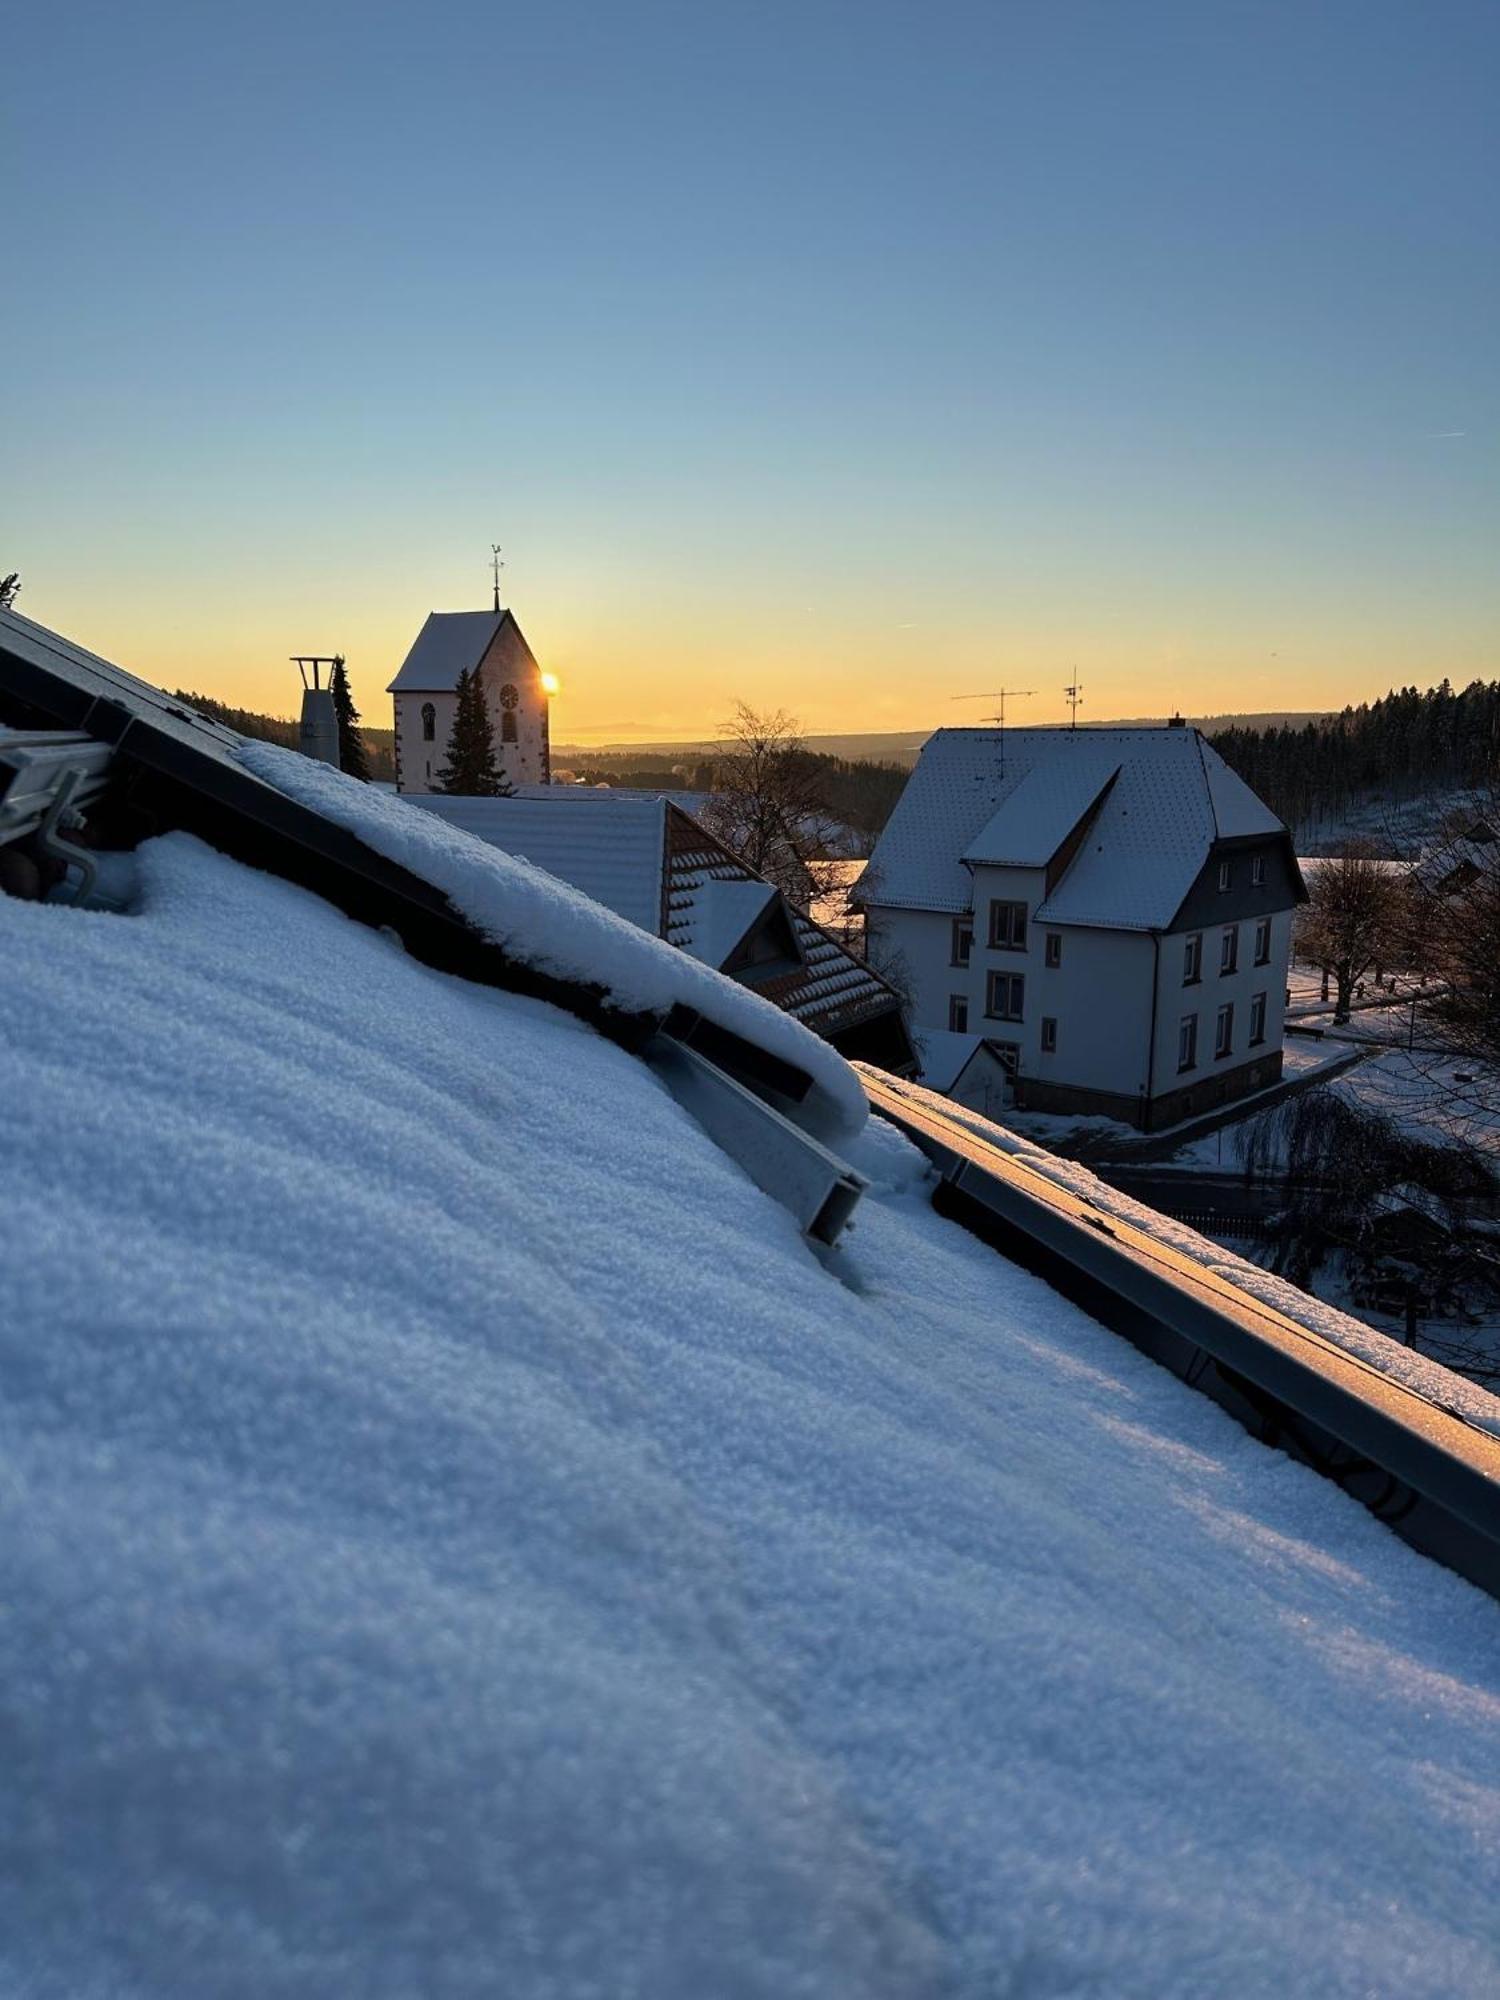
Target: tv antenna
x,y
1000,695
496,565
1073,696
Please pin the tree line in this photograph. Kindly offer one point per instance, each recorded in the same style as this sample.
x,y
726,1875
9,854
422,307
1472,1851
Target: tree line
x,y
1404,745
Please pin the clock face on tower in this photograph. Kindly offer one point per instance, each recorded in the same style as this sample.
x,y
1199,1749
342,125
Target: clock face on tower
x,y
509,695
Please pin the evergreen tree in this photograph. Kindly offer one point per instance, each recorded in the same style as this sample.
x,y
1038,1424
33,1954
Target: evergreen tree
x,y
9,586
473,769
353,757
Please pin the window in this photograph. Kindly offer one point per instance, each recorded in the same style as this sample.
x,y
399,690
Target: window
x,y
1006,996
1192,960
507,725
1054,948
429,722
958,1014
1263,942
1257,1019
1224,1031
1187,1042
1008,1055
1007,926
1223,875
1229,951
1049,1035
510,695
1258,871
963,941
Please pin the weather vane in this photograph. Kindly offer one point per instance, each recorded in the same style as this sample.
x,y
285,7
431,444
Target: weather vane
x,y
496,565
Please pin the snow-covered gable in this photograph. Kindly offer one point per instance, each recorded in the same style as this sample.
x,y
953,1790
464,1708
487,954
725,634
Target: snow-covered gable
x,y
719,915
615,857
1039,810
975,797
449,644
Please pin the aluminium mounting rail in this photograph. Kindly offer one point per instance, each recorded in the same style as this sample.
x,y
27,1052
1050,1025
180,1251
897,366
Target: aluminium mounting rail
x,y
1425,1469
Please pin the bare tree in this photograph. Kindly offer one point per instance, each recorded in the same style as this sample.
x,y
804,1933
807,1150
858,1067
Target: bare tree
x,y
1456,885
1352,920
767,806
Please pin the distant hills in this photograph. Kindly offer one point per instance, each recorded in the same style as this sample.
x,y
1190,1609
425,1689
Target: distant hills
x,y
899,746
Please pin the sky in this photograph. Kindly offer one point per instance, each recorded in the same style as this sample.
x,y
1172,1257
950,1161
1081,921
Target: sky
x,y
847,359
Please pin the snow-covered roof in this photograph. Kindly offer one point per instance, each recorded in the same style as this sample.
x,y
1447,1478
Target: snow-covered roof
x,y
544,922
721,914
975,796
464,1541
943,1054
656,867
1036,815
449,644
614,857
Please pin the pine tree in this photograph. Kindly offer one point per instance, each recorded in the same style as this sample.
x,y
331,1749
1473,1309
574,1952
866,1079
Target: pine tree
x,y
353,757
472,768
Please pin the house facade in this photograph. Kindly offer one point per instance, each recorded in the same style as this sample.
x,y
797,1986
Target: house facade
x,y
425,697
1087,922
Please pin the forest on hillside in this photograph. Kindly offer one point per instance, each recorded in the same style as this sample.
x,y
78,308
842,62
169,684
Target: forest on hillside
x,y
1403,746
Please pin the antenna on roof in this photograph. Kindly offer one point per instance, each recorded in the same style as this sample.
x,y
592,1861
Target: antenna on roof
x,y
995,694
1073,696
496,565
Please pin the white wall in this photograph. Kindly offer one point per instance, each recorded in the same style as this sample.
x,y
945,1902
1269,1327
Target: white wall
x,y
418,762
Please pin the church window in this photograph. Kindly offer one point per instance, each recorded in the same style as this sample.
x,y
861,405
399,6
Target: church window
x,y
507,725
510,695
429,722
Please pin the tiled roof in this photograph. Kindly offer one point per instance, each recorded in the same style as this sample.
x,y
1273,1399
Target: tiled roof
x,y
450,643
1172,798
830,990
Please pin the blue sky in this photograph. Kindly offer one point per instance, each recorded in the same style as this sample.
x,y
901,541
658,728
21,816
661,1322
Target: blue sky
x,y
841,357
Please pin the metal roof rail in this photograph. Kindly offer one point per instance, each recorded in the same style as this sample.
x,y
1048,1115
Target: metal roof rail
x,y
1423,1468
820,1190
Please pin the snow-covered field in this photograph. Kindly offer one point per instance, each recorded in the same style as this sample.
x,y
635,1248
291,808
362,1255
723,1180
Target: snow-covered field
x,y
461,1541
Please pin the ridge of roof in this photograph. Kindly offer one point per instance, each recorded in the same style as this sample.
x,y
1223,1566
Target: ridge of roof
x,y
449,643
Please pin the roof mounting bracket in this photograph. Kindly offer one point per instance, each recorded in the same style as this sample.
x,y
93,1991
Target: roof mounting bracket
x,y
820,1191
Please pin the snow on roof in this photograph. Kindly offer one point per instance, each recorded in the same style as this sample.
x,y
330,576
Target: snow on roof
x,y
1141,855
548,924
462,1540
449,644
719,914
943,1055
615,857
1039,811
830,990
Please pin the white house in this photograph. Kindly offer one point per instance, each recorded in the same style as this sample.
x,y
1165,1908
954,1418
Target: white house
x,y
425,697
1092,921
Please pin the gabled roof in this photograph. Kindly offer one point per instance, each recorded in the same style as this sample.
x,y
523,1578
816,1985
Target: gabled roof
x,y
1172,798
1037,815
723,913
449,644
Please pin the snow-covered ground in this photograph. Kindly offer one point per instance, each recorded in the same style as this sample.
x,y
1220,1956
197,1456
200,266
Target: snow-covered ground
x,y
462,1541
